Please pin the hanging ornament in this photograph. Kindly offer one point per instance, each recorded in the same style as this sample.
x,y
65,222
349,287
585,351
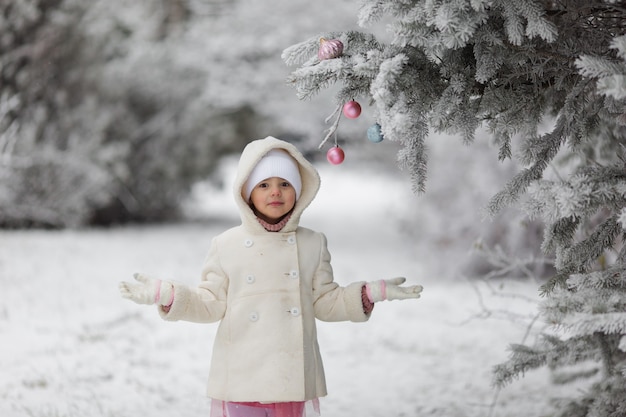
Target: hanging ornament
x,y
329,49
335,155
374,134
352,109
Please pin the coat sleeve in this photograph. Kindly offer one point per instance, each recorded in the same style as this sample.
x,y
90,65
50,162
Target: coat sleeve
x,y
331,301
205,303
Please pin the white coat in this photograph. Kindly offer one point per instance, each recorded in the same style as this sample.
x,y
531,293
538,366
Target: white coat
x,y
266,289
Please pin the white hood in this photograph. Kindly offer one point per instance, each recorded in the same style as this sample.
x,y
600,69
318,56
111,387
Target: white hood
x,y
250,156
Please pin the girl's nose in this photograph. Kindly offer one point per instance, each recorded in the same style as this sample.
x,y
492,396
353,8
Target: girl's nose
x,y
275,191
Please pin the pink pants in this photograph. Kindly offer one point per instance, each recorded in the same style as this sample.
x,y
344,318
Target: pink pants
x,y
265,410
254,409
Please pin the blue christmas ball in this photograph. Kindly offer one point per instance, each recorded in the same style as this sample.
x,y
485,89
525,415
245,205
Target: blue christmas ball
x,y
374,134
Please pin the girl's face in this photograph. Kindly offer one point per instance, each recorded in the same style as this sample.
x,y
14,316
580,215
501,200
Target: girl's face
x,y
273,198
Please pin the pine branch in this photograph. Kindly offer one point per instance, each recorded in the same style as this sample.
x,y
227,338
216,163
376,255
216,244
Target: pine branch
x,y
548,351
581,324
515,188
560,234
582,255
557,281
613,278
594,67
578,258
542,149
522,360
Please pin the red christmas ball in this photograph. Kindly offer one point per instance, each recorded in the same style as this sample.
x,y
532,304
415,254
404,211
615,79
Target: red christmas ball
x,y
335,155
352,109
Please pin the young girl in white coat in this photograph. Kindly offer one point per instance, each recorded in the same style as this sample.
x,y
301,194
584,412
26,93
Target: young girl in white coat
x,y
266,281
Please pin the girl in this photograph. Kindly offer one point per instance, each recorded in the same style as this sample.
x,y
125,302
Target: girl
x,y
266,281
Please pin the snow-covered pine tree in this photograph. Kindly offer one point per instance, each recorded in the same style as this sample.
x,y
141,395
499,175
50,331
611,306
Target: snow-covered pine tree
x,y
516,67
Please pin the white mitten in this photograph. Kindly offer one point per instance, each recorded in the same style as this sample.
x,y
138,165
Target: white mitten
x,y
148,291
390,289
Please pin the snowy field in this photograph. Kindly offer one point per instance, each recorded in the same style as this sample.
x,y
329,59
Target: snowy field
x,y
71,346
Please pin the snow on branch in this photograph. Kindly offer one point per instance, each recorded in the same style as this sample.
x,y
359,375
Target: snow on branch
x,y
536,23
613,277
581,255
610,74
580,324
515,188
548,350
585,192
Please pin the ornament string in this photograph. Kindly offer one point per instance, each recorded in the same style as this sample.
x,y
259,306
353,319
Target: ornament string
x,y
333,128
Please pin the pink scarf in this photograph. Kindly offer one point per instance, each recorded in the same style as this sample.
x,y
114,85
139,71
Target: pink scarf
x,y
274,227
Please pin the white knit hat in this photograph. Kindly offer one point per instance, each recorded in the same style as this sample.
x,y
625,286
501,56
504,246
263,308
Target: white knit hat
x,y
275,163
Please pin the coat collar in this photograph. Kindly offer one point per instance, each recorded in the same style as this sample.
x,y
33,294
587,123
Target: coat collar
x,y
250,156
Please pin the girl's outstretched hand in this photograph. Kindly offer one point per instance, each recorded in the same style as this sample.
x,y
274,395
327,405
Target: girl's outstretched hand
x,y
147,290
390,289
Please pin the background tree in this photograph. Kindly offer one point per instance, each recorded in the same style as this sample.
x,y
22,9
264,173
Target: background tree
x,y
547,80
99,121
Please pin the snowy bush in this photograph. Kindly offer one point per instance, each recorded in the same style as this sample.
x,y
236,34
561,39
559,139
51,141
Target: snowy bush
x,y
97,123
47,169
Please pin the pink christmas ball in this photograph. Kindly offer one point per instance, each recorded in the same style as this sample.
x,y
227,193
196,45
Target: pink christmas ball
x,y
352,109
335,155
329,49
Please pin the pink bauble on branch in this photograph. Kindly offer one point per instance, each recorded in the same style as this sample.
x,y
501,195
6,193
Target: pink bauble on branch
x,y
352,109
335,155
329,49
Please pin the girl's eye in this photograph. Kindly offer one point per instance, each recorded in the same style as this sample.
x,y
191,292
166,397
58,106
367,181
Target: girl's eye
x,y
263,185
286,184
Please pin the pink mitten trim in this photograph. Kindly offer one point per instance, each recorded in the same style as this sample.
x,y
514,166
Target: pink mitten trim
x,y
169,304
157,296
368,306
368,292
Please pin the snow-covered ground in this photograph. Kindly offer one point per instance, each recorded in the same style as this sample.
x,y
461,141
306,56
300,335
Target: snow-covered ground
x,y
71,346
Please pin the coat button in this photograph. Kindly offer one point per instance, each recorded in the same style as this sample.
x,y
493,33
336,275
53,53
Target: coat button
x,y
293,274
248,242
250,279
254,316
291,240
295,311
